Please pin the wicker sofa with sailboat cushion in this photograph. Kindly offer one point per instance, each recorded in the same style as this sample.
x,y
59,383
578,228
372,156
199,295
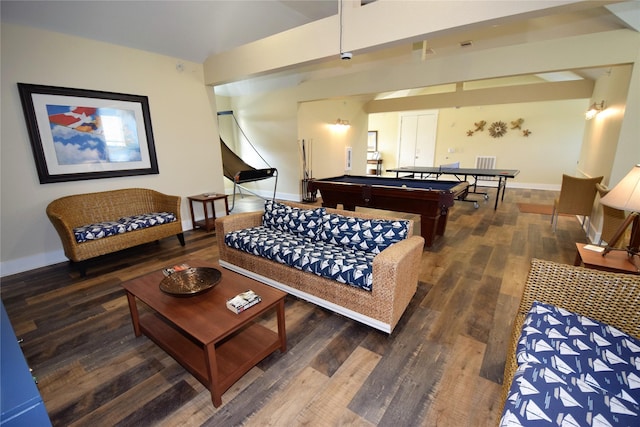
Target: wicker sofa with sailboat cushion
x,y
574,354
360,265
94,224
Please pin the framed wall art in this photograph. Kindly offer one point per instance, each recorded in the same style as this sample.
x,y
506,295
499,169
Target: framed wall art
x,y
372,140
79,134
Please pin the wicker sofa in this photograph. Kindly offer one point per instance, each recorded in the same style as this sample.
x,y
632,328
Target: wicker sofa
x,y
394,273
70,213
545,377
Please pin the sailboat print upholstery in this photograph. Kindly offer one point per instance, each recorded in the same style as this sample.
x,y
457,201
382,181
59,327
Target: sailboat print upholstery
x,y
573,371
330,245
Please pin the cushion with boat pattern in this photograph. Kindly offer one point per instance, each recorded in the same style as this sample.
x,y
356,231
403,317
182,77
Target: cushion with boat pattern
x,y
100,230
540,397
573,371
345,265
577,346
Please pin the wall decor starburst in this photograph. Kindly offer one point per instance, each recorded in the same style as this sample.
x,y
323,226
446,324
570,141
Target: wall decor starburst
x,y
517,124
497,129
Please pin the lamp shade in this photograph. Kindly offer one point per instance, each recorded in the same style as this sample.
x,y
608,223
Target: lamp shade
x,y
626,195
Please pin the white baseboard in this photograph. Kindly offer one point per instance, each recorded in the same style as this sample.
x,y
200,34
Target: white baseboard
x,y
529,186
21,265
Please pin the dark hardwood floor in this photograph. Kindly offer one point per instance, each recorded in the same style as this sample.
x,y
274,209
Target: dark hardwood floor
x,y
441,366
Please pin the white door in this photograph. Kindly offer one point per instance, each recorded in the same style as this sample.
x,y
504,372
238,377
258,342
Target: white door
x,y
417,138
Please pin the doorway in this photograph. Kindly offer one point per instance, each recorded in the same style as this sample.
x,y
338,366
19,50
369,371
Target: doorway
x,y
418,131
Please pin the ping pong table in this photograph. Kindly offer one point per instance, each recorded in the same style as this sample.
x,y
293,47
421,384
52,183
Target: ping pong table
x,y
461,174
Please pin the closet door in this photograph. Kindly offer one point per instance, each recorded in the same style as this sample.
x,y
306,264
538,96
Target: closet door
x,y
417,138
408,138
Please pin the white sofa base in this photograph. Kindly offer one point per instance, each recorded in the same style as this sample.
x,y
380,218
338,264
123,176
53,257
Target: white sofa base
x,y
369,321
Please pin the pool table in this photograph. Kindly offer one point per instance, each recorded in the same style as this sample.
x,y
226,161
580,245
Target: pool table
x,y
429,198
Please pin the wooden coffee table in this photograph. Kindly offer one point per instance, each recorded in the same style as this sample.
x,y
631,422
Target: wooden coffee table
x,y
214,344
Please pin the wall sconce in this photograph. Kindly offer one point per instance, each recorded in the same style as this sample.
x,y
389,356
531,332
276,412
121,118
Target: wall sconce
x,y
594,110
340,122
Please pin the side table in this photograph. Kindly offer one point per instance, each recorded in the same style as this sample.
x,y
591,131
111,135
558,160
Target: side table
x,y
209,222
614,261
377,168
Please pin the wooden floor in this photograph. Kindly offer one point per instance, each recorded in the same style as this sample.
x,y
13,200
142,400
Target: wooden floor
x,y
442,366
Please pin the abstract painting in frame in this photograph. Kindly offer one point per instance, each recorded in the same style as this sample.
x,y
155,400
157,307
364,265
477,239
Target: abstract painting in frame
x,y
79,134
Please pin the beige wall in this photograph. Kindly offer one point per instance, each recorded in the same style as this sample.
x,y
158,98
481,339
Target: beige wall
x,y
628,148
566,135
557,126
388,127
275,123
316,122
184,128
270,123
611,145
550,150
603,131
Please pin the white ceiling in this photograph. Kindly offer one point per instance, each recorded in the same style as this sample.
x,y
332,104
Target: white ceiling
x,y
189,30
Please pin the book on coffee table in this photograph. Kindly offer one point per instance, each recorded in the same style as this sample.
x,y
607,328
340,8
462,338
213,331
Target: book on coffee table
x,y
180,267
242,301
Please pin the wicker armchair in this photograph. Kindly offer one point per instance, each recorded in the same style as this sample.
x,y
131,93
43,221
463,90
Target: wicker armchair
x,y
612,298
576,198
67,213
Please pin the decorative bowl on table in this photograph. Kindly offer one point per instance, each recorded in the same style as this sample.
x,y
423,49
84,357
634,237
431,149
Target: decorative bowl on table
x,y
191,281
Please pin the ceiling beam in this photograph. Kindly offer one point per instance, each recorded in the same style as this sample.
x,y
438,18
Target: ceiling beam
x,y
576,52
534,92
365,28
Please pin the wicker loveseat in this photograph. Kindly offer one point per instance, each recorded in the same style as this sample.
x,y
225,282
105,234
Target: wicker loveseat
x,y
574,352
123,219
381,299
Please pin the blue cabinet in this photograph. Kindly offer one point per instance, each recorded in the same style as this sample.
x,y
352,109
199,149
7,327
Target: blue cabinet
x,y
20,403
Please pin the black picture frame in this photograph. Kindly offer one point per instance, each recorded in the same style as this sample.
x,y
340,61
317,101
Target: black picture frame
x,y
372,141
80,134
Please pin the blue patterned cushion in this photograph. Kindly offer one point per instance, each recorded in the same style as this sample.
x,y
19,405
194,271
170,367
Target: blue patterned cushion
x,y
577,346
110,228
136,222
345,265
539,396
98,231
304,222
369,235
573,370
267,243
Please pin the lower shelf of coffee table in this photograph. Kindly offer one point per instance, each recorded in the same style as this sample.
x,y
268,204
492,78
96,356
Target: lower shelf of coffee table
x,y
235,355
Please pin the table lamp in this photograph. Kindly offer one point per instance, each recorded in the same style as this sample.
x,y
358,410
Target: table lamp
x,y
626,196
